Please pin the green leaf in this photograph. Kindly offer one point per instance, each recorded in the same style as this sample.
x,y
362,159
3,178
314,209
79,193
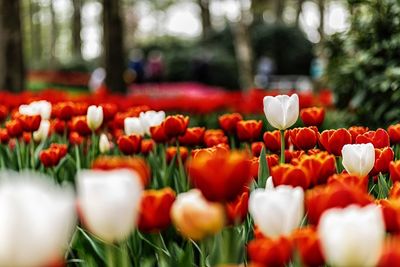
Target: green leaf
x,y
263,171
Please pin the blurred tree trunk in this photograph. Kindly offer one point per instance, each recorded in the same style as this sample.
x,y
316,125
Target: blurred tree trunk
x,y
76,28
257,9
321,8
36,31
299,9
113,46
53,35
243,51
280,7
205,17
11,58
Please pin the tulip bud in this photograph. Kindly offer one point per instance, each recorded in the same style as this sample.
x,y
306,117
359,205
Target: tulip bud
x,y
133,126
312,116
277,211
281,111
109,201
104,144
36,219
94,117
346,238
195,217
358,159
43,131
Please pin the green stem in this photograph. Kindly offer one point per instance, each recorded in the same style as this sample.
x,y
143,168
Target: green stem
x,y
110,256
282,133
18,151
232,141
203,253
78,158
93,147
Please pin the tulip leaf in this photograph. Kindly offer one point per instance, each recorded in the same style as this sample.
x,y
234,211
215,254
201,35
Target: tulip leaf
x,y
93,244
383,187
263,171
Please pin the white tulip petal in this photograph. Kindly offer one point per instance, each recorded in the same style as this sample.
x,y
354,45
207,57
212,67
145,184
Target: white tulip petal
x,y
358,159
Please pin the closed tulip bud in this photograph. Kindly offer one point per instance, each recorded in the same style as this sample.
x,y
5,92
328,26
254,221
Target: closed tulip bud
x,y
346,238
313,116
281,111
304,138
383,157
394,134
175,126
195,217
277,211
334,140
133,126
104,144
94,117
36,219
228,122
43,132
155,210
272,140
358,159
130,144
379,138
270,252
151,118
109,202
158,134
249,130
356,131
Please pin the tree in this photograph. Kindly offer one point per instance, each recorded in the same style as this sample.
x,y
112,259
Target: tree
x,y
299,9
113,46
11,58
205,17
76,28
53,35
321,7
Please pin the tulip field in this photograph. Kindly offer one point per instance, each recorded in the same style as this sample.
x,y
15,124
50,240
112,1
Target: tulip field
x,y
113,181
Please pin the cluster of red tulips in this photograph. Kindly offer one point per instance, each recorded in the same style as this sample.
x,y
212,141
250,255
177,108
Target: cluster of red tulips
x,y
105,185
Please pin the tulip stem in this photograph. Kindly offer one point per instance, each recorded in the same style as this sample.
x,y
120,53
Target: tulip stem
x,y
78,158
110,256
282,133
203,253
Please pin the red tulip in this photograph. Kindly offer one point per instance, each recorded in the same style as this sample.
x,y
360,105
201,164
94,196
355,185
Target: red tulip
x,y
14,128
383,157
236,211
356,131
193,136
287,174
175,126
307,243
272,140
304,138
130,144
346,179
158,134
270,252
172,151
312,116
394,169
394,133
334,140
379,138
390,254
80,126
228,122
249,130
256,148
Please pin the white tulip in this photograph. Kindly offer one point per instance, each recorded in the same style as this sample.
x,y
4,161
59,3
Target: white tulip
x,y
42,108
42,133
277,211
133,125
109,202
151,118
94,117
270,183
352,236
281,111
36,219
104,144
358,159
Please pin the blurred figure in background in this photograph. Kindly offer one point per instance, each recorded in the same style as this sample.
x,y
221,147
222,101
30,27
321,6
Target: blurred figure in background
x,y
135,72
201,66
155,66
265,68
96,81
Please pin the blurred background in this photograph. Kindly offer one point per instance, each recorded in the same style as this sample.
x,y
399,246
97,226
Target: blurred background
x,y
234,44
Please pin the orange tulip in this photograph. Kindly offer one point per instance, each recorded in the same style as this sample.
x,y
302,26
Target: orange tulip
x,y
75,138
172,151
272,140
383,157
3,113
63,110
175,125
249,130
236,211
213,137
334,140
193,136
379,138
321,198
394,133
293,155
320,166
390,255
307,243
225,184
313,116
346,179
120,162
272,160
287,174
394,169
270,252
147,146
155,207
391,214
304,138
80,126
356,131
4,137
228,122
51,157
14,128
394,192
158,134
130,144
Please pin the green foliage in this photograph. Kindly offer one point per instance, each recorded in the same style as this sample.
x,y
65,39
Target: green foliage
x,y
364,63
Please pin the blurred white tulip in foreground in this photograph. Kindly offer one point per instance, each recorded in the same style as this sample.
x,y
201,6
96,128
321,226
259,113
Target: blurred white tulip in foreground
x,y
358,159
42,108
352,236
151,118
36,219
133,125
43,132
108,202
277,211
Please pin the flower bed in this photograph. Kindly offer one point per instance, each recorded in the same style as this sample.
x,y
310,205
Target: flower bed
x,y
94,180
